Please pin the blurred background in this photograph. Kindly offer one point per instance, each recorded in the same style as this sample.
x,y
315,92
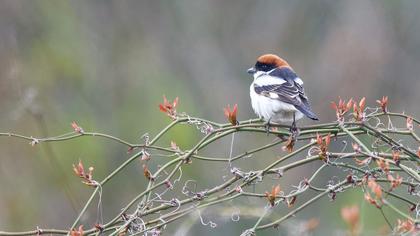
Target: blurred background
x,y
106,65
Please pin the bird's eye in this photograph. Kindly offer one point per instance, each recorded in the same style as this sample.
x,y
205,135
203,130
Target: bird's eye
x,y
262,66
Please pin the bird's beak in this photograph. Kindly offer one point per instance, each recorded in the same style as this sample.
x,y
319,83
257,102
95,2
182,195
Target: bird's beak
x,y
251,70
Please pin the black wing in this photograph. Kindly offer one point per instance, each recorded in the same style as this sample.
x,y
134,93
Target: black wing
x,y
289,92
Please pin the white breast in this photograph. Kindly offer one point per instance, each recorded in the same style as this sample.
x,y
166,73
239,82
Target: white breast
x,y
271,108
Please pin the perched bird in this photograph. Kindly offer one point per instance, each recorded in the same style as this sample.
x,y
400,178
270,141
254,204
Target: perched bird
x,y
277,92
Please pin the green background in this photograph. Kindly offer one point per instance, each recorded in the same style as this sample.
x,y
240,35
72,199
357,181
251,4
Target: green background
x,y
106,65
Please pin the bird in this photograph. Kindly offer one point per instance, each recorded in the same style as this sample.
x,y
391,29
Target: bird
x,y
277,93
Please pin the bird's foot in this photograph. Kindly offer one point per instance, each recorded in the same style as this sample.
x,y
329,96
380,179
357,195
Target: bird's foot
x,y
294,130
267,127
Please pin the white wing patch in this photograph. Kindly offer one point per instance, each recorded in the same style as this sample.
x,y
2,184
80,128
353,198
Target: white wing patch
x,y
299,81
273,95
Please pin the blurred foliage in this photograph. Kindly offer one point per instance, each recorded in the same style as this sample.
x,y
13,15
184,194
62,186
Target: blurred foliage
x,y
106,65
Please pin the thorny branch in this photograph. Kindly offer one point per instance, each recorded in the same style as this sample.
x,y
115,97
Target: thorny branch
x,y
380,159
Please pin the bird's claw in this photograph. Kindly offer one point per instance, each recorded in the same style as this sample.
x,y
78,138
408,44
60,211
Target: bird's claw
x,y
294,130
267,127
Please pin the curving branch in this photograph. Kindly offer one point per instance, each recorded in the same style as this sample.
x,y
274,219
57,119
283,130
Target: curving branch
x,y
371,154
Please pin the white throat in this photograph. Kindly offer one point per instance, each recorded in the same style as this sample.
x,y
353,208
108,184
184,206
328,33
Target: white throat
x,y
262,73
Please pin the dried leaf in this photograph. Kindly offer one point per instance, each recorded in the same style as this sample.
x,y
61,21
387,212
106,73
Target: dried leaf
x,y
78,232
405,226
76,128
327,139
341,108
362,162
275,190
323,144
383,103
356,147
384,165
351,215
79,170
231,114
271,197
349,104
318,139
359,110
87,177
395,182
396,156
375,188
147,172
169,107
289,144
311,224
174,146
291,201
362,103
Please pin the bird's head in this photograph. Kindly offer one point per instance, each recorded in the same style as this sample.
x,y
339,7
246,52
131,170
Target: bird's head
x,y
268,62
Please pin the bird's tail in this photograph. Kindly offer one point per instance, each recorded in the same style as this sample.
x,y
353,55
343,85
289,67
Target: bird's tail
x,y
308,112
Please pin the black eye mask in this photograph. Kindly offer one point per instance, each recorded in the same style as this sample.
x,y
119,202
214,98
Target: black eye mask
x,y
264,66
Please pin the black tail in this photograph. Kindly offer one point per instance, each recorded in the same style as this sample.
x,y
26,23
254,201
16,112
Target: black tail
x,y
307,111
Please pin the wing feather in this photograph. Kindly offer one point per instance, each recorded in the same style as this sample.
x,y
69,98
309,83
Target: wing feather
x,y
290,92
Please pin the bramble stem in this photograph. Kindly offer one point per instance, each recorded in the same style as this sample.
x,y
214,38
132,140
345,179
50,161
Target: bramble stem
x,y
156,209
